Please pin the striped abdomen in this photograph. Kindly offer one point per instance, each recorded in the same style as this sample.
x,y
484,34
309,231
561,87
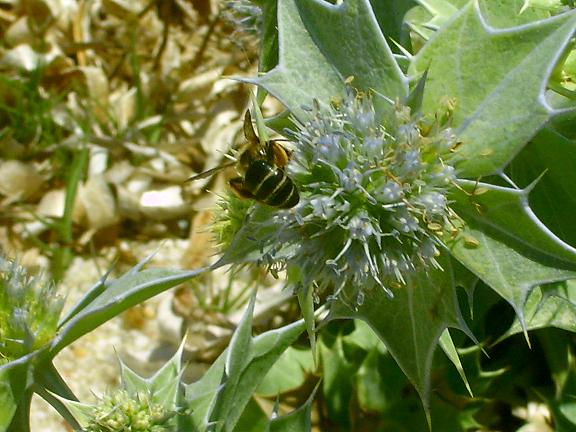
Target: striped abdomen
x,y
270,185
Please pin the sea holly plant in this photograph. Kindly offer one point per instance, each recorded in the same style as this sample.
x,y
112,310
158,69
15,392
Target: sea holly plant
x,y
432,144
33,332
406,166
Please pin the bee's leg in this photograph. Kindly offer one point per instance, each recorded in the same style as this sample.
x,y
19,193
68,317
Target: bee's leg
x,y
277,155
237,185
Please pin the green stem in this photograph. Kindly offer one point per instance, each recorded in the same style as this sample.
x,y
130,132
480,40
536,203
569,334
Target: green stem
x,y
63,255
560,89
21,420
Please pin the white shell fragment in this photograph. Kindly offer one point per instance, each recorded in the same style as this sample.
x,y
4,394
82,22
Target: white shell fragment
x,y
165,203
19,33
52,204
19,180
98,202
25,58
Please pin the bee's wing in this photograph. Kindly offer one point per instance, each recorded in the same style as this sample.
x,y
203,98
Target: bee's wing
x,y
211,171
249,132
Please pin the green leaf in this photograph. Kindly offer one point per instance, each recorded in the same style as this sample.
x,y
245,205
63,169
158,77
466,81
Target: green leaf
x,y
288,373
306,302
553,198
510,13
86,299
359,50
269,38
133,383
511,251
162,386
564,415
390,16
411,323
497,78
82,413
370,382
219,398
165,384
558,349
17,381
449,349
440,10
200,395
300,420
132,288
302,73
549,306
253,419
48,383
313,64
13,384
338,379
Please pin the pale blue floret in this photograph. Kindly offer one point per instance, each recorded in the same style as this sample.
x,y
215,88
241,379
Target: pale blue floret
x,y
428,249
390,193
321,207
408,132
329,147
404,222
433,202
373,147
411,162
360,228
446,175
364,120
350,179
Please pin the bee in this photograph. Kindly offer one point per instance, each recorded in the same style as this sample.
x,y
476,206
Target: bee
x,y
261,168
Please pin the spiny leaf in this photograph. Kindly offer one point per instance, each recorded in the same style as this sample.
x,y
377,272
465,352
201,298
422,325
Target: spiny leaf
x,y
219,398
447,345
13,384
553,198
492,73
390,16
299,420
302,73
360,49
313,64
513,250
411,323
113,297
548,306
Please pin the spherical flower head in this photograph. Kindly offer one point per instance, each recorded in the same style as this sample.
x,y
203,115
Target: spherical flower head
x,y
29,311
118,411
372,197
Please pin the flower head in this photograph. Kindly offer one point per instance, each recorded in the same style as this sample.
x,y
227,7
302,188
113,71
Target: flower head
x,y
372,197
118,411
29,311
